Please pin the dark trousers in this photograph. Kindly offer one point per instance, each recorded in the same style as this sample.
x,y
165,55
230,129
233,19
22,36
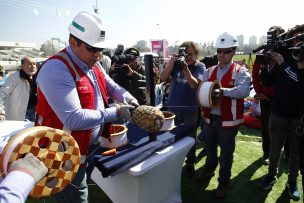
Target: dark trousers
x,y
279,128
265,113
216,136
189,118
302,158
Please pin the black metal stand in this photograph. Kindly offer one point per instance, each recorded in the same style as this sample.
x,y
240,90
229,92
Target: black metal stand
x,y
149,79
152,137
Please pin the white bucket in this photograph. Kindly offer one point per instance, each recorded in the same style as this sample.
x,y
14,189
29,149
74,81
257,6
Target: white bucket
x,y
118,137
169,121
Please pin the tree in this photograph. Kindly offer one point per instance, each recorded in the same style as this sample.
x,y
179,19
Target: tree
x,y
48,48
142,46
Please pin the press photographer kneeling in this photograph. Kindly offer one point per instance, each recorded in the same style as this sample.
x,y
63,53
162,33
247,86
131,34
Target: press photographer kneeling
x,y
127,71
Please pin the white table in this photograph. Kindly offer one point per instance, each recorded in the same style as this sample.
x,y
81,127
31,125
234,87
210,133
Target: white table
x,y
155,180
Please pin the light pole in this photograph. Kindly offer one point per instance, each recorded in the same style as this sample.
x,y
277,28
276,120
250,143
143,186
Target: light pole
x,y
159,30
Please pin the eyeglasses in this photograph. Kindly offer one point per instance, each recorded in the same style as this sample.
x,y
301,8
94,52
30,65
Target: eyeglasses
x,y
225,51
92,49
190,54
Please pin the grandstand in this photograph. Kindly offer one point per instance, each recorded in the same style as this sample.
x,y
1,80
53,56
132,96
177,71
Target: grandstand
x,y
12,52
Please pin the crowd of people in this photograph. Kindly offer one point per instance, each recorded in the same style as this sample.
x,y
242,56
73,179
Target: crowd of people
x,y
73,90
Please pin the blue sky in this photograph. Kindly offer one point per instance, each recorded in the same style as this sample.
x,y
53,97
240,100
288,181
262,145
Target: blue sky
x,y
128,21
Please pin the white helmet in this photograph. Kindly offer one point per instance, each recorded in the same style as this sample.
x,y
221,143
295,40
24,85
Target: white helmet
x,y
226,40
89,28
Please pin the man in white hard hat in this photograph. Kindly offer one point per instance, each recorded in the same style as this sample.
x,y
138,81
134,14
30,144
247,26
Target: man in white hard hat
x,y
73,95
222,122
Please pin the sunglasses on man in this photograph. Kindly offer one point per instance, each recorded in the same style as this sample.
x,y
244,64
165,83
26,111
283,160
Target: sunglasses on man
x,y
93,49
225,51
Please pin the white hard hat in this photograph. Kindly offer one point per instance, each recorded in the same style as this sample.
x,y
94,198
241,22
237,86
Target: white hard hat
x,y
226,40
89,28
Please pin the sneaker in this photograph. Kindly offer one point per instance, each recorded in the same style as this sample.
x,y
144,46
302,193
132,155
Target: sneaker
x,y
293,190
204,175
189,170
268,182
221,190
265,161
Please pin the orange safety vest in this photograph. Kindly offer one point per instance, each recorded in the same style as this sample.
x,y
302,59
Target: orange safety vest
x,y
47,117
232,109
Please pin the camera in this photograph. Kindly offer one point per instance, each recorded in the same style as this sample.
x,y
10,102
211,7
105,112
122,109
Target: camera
x,y
181,57
298,52
275,43
123,58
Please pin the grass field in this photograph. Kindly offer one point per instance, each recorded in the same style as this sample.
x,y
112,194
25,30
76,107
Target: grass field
x,y
247,171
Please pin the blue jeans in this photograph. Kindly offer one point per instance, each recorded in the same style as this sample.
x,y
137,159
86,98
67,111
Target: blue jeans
x,y
189,118
30,114
77,190
216,136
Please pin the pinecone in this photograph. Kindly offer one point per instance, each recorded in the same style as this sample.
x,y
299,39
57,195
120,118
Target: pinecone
x,y
150,118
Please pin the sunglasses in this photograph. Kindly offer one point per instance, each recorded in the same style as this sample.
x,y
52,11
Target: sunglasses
x,y
225,51
93,49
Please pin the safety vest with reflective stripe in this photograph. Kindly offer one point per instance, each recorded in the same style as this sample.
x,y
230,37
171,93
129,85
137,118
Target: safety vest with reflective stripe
x,y
232,109
47,117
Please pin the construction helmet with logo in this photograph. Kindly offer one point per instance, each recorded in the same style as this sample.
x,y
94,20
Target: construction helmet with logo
x,y
89,28
226,40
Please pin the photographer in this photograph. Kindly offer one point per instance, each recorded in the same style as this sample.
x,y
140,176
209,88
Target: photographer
x,y
284,114
186,73
298,53
265,93
127,72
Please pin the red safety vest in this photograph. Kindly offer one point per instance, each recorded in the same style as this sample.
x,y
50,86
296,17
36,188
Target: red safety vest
x,y
47,117
231,109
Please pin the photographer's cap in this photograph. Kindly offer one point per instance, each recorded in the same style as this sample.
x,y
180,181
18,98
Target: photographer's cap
x,y
89,28
132,51
226,40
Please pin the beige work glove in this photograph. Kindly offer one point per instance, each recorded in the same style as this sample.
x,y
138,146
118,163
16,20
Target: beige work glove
x,y
30,165
123,112
134,102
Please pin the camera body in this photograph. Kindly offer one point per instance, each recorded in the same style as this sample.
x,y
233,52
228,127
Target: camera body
x,y
275,43
181,57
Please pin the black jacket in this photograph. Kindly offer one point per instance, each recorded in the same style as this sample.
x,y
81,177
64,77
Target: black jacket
x,y
289,89
134,84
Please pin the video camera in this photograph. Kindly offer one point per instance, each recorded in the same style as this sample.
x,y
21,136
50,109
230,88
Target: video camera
x,y
120,58
181,57
123,58
275,43
298,52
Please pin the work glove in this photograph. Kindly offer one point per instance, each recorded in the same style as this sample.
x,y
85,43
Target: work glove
x,y
134,102
123,112
30,165
217,93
